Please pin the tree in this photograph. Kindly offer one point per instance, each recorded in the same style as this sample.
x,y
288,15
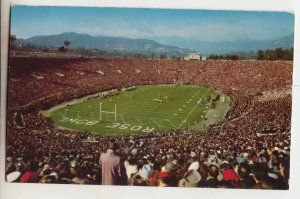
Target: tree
x,y
232,57
278,53
163,56
62,49
288,54
270,55
260,55
12,39
66,43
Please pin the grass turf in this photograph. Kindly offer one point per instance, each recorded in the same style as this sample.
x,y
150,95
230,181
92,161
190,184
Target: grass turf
x,y
136,110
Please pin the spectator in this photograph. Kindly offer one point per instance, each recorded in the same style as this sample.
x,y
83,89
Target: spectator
x,y
13,176
113,169
260,174
245,180
154,175
32,174
167,177
191,179
229,175
182,167
284,173
203,170
131,168
212,179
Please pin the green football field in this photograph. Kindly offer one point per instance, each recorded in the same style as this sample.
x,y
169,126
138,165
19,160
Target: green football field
x,y
144,109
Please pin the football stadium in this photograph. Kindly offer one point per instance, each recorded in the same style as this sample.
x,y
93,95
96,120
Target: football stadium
x,y
149,97
176,115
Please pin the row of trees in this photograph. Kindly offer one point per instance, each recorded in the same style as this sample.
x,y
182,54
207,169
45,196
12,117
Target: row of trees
x,y
224,57
277,54
31,48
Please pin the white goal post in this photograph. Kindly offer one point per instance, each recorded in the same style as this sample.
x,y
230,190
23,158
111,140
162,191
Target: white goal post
x,y
110,112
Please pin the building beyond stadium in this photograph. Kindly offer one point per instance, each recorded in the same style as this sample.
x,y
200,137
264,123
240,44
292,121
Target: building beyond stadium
x,y
194,56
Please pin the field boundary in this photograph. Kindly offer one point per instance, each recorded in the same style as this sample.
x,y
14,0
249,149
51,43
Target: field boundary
x,y
79,118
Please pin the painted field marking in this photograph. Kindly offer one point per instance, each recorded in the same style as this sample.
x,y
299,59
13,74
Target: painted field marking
x,y
155,122
191,111
138,120
188,115
65,114
122,118
172,124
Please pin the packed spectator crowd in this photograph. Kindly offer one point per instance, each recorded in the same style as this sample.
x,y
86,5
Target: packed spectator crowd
x,y
250,148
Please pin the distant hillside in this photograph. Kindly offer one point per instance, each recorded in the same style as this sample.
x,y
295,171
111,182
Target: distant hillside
x,y
148,47
104,43
221,47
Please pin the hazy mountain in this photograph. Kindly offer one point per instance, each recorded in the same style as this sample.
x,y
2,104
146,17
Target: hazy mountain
x,y
166,45
221,47
107,44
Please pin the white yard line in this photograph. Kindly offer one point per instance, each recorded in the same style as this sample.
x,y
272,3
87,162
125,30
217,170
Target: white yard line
x,y
66,110
122,118
172,124
185,119
138,121
155,122
188,115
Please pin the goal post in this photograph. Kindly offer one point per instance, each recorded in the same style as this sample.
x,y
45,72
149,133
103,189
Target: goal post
x,y
109,112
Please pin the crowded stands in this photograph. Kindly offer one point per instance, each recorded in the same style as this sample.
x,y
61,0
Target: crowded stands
x,y
249,149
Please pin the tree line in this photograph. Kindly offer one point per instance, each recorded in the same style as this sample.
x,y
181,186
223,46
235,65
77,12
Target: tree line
x,y
224,57
277,54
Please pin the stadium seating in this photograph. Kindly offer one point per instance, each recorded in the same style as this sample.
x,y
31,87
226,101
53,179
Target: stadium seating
x,y
257,131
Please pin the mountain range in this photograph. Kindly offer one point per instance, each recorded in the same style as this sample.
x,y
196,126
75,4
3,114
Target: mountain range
x,y
168,46
109,44
223,47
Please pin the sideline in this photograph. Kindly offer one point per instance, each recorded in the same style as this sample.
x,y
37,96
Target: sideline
x,y
102,94
211,116
214,115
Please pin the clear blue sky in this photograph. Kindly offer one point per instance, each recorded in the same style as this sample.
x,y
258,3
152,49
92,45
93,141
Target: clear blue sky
x,y
28,21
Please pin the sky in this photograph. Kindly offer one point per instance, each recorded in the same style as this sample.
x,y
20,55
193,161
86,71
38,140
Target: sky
x,y
204,25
